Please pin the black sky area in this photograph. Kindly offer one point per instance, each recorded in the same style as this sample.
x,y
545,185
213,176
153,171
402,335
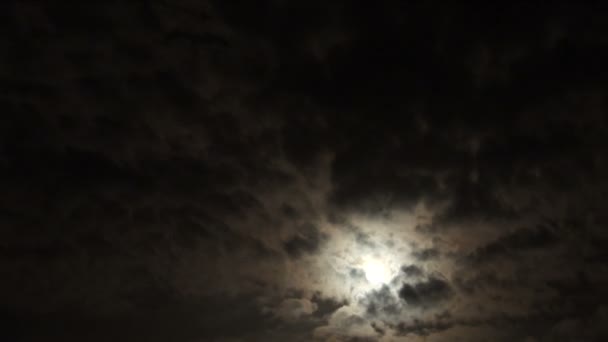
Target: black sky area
x,y
226,171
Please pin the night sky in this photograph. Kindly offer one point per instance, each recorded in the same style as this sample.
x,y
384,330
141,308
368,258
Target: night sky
x,y
279,170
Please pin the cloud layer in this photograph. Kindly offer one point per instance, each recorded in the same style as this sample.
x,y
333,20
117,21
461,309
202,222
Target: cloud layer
x,y
221,171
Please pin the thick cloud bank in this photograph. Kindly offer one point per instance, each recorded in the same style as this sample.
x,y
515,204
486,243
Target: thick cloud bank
x,y
238,171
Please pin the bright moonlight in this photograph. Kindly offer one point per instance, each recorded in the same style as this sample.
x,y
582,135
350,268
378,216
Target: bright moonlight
x,y
376,272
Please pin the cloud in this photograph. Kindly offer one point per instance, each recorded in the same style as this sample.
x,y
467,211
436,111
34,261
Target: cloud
x,y
174,319
427,254
307,241
345,325
382,303
293,308
425,293
412,271
219,171
521,239
422,328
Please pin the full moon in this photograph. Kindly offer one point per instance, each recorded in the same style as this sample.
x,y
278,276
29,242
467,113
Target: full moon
x,y
376,272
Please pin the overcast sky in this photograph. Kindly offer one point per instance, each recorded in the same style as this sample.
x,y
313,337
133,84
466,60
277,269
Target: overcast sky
x,y
280,170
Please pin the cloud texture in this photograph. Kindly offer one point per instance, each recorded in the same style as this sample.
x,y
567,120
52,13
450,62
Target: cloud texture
x,y
221,171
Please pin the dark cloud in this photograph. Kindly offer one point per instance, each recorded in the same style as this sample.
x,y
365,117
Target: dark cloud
x,y
382,302
412,271
422,328
325,306
427,254
307,241
521,239
181,320
425,293
208,170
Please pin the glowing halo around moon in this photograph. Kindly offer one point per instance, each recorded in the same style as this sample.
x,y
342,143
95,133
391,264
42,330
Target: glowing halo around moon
x,y
377,272
358,261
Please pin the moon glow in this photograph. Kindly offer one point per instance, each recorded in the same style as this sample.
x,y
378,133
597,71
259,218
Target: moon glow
x,y
376,272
